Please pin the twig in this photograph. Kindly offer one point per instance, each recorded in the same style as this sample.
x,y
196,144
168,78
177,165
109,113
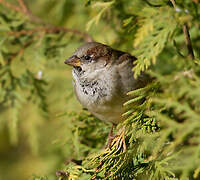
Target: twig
x,y
27,12
10,6
173,3
187,36
48,28
23,6
53,29
20,52
188,41
196,1
153,5
177,50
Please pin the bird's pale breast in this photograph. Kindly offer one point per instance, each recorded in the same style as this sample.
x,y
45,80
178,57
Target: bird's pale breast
x,y
101,97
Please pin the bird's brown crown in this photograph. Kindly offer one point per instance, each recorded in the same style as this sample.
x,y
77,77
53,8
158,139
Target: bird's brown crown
x,y
95,50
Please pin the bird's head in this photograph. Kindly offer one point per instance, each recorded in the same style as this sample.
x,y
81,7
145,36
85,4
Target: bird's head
x,y
90,57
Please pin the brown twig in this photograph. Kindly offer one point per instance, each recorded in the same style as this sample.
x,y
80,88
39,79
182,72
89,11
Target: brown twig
x,y
173,3
53,29
187,36
188,41
196,1
26,11
23,6
10,6
48,28
20,52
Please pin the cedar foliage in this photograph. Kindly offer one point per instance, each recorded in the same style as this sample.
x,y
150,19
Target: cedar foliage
x,y
160,138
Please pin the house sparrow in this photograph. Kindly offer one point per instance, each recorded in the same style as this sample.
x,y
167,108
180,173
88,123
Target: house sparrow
x,y
102,78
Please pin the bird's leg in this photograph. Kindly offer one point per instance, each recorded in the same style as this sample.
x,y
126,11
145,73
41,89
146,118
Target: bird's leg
x,y
111,136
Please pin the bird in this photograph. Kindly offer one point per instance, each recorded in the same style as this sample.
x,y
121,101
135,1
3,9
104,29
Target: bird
x,y
102,77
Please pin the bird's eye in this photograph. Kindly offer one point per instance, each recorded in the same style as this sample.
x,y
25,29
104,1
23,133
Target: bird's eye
x,y
87,57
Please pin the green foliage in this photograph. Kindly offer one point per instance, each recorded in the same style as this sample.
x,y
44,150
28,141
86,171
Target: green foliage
x,y
156,27
103,6
39,178
163,117
160,137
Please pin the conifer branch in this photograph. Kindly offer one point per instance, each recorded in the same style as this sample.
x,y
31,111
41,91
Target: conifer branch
x,y
187,35
48,28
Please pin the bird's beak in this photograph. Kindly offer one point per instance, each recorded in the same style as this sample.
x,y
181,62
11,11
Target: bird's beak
x,y
73,61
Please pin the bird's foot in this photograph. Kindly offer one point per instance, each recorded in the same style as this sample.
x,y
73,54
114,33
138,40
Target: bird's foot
x,y
114,141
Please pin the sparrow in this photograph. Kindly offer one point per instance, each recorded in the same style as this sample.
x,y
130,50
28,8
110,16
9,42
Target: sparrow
x,y
102,77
